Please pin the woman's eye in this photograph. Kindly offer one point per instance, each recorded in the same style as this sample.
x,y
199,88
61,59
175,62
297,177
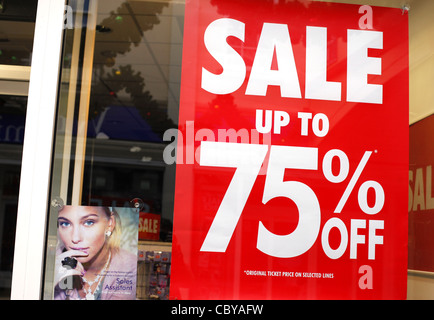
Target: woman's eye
x,y
89,223
64,224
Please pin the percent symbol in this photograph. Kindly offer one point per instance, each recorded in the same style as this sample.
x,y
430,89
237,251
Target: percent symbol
x,y
343,174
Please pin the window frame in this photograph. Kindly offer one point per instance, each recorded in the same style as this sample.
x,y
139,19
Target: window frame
x,y
27,274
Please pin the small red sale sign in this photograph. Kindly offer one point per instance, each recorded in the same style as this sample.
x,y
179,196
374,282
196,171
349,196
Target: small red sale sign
x,y
149,226
292,152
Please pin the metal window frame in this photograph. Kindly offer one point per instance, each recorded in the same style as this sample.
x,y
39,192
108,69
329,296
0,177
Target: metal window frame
x,y
27,273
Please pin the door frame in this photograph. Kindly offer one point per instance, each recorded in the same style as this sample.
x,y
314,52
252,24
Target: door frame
x,y
28,266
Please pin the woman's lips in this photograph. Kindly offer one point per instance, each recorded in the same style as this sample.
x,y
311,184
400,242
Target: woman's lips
x,y
85,250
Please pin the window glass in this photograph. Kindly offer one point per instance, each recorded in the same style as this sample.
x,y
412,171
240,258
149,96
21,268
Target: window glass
x,y
17,24
119,94
117,114
12,119
420,209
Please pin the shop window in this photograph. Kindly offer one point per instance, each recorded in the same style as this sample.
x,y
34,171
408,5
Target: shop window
x,y
119,94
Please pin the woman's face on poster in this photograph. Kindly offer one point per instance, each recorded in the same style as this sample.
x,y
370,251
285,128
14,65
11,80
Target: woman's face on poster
x,y
83,228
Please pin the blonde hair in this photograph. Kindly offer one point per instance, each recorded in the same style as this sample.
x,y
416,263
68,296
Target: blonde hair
x,y
114,240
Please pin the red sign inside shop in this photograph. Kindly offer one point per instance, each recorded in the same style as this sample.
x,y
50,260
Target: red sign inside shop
x,y
149,226
292,152
421,198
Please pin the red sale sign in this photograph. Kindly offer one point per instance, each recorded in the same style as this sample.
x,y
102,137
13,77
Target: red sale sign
x,y
292,152
421,200
149,226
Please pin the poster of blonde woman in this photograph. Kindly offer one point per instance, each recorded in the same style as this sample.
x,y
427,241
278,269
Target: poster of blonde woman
x,y
96,255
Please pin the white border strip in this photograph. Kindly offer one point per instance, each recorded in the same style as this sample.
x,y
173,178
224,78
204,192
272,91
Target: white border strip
x,y
38,141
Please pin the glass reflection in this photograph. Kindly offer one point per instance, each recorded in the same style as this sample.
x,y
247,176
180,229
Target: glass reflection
x,y
119,94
